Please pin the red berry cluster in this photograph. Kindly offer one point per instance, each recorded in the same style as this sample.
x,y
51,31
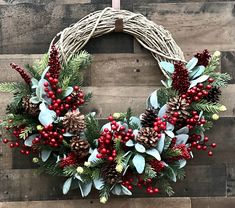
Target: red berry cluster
x,y
16,142
50,136
159,125
203,58
22,73
199,144
106,141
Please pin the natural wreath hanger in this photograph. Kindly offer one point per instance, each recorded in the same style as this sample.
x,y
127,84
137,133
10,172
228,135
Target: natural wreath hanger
x,y
45,117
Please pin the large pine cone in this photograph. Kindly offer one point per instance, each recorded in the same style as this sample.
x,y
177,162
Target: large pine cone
x,y
110,175
148,118
147,137
74,122
178,104
30,108
80,147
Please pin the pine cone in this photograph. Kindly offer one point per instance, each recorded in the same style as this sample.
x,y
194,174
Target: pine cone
x,y
178,104
74,122
147,137
148,118
110,175
80,147
180,78
30,108
213,95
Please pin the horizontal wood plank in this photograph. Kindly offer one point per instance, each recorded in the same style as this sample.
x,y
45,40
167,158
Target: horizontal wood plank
x,y
199,25
183,202
28,28
213,202
20,185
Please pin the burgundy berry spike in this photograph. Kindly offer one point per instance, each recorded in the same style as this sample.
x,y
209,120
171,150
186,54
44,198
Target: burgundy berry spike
x,y
22,73
54,63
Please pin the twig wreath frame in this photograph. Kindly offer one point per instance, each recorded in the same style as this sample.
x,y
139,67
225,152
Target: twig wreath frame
x,y
45,116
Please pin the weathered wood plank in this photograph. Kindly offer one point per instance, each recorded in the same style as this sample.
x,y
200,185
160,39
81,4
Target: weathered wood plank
x,y
231,178
19,185
183,202
28,28
228,64
108,100
213,202
199,24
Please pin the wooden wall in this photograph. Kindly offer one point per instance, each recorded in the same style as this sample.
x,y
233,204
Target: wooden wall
x,y
122,75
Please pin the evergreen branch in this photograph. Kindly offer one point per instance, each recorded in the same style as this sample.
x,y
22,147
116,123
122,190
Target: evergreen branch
x,y
79,61
9,87
92,132
149,172
32,71
40,65
25,132
208,125
69,171
203,105
165,185
165,94
171,153
95,174
50,168
213,65
220,79
180,173
128,116
87,97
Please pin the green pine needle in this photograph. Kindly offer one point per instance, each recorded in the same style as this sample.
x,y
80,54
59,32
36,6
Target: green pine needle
x,y
149,172
39,66
69,171
203,105
165,94
9,87
220,79
25,132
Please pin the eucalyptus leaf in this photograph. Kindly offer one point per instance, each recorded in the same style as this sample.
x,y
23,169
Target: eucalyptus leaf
x,y
46,117
182,163
92,157
117,190
192,63
160,144
164,83
139,163
45,154
154,152
67,185
167,67
34,83
182,139
29,141
198,71
184,130
85,188
171,174
170,134
162,111
67,92
169,126
139,148
134,120
200,79
126,191
153,100
34,100
98,183
129,143
77,176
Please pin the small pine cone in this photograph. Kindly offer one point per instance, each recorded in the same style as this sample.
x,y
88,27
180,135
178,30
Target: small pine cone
x,y
178,104
110,175
213,95
30,108
80,147
180,78
148,118
74,122
147,137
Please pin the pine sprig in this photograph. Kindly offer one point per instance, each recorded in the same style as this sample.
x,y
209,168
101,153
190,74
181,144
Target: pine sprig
x,y
25,132
50,167
180,173
220,79
69,171
39,66
165,94
166,187
128,116
149,172
9,87
213,65
203,105
92,132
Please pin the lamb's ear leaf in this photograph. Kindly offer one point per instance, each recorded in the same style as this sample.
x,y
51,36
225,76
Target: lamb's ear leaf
x,y
154,152
67,185
167,67
85,188
139,163
192,63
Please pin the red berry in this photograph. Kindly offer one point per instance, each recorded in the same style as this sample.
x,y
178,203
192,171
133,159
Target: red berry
x,y
199,147
17,144
22,151
12,145
99,156
27,152
208,87
204,147
76,88
110,158
206,139
46,84
213,145
59,91
176,114
210,80
210,153
5,141
156,190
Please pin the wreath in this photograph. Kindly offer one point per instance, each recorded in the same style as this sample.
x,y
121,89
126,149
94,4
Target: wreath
x,y
45,117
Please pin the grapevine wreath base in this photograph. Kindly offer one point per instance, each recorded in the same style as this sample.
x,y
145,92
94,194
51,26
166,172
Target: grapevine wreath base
x,y
45,117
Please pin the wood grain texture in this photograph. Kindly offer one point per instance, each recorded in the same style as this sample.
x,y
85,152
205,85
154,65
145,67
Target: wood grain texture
x,y
228,64
19,185
195,25
231,179
173,202
213,202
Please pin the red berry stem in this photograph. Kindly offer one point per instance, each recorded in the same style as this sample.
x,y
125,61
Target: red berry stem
x,y
22,73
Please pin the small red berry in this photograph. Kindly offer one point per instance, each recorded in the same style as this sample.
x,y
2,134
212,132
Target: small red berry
x,y
5,141
210,153
213,145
